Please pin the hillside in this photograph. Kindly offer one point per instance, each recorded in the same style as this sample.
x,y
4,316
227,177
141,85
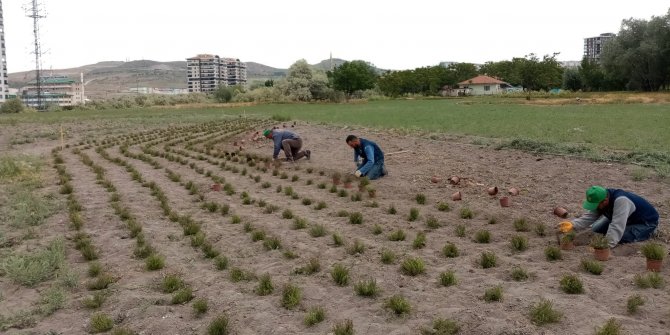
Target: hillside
x,y
110,78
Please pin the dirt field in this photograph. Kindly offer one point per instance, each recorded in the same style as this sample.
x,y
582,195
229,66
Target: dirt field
x,y
135,301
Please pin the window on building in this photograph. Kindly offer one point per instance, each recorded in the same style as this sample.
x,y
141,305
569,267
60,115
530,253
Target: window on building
x,y
487,88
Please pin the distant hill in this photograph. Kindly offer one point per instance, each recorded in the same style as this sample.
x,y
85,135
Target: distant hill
x,y
111,78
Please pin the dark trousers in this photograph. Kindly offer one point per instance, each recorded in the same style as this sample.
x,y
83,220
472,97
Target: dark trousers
x,y
632,233
292,149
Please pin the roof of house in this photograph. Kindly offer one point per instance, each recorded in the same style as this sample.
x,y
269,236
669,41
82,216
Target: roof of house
x,y
481,80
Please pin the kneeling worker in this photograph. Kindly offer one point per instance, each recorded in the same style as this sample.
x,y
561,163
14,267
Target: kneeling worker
x,y
288,141
373,158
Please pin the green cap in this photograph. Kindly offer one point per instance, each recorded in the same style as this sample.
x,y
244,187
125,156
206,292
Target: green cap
x,y
267,132
594,196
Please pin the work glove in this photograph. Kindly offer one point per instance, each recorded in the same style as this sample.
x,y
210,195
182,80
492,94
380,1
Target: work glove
x,y
357,173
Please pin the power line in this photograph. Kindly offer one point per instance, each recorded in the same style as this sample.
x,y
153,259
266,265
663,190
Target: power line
x,y
34,12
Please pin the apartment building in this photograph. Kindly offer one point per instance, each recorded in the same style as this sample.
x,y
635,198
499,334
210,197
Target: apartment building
x,y
4,86
593,46
55,90
206,73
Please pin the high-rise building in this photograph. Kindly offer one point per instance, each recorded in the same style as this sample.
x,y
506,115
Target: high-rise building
x,y
593,46
4,86
205,73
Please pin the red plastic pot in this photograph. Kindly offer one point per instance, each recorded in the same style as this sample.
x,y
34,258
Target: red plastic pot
x,y
513,191
654,265
216,187
454,180
561,212
504,202
601,254
492,190
456,196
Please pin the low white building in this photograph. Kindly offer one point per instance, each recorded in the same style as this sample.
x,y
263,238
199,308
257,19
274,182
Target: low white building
x,y
484,85
55,90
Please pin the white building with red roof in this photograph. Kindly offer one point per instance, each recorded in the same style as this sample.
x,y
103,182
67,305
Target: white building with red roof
x,y
484,85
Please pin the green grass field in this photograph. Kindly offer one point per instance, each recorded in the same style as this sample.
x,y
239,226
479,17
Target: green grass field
x,y
586,129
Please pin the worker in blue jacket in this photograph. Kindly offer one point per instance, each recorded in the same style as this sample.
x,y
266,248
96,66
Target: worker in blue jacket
x,y
288,141
372,165
622,216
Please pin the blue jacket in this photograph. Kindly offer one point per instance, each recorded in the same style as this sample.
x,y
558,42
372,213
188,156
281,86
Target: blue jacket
x,y
644,211
370,152
278,136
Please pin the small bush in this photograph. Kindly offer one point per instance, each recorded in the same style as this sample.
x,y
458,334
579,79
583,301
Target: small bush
x,y
100,283
420,199
519,243
553,253
432,223
171,283
483,236
443,207
543,312
571,284
342,214
235,219
467,213
218,326
413,214
200,306
317,230
321,205
651,279
257,235
33,268
442,327
387,256
272,243
94,269
521,225
419,241
413,266
367,288
450,250
356,218
653,251
398,305
633,304
493,220
377,229
344,328
182,296
306,201
592,266
391,210
291,296
237,274
460,230
314,316
340,275
51,300
299,223
312,267
448,278
398,235
540,229
100,323
155,262
338,240
357,248
94,301
287,214
488,260
221,262
519,274
493,294
611,327
265,286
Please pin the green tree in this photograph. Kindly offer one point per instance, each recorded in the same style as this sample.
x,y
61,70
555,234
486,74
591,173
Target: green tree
x,y
223,94
354,76
14,105
572,80
592,76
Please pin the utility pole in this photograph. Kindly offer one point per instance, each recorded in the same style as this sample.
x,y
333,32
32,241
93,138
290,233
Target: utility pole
x,y
35,13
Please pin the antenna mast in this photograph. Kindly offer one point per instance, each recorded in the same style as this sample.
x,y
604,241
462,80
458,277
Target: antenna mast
x,y
35,13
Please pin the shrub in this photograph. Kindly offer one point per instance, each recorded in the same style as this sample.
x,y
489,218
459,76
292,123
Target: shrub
x,y
651,279
306,201
94,269
357,248
413,266
387,256
257,235
342,214
519,243
155,262
337,239
291,296
344,328
235,219
488,260
221,262
493,294
314,316
483,236
313,266
653,251
181,296
299,223
218,326
519,274
450,250
377,229
540,229
200,306
237,274
521,225
398,235
317,230
420,199
448,278
171,283
413,214
101,322
419,241
543,312
432,223
31,269
101,282
391,210
367,288
398,305
272,243
356,218
52,300
460,230
442,327
467,213
265,286
94,301
340,275
571,284
592,266
287,214
321,205
633,303
443,207
599,242
611,327
553,253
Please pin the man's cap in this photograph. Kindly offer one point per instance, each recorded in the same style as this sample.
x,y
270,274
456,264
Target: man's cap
x,y
594,196
267,132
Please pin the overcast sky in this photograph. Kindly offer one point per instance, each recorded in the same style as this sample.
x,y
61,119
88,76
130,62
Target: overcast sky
x,y
390,34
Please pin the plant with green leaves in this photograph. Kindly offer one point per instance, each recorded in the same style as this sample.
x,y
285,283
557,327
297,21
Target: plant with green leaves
x,y
398,235
398,305
488,259
367,288
592,266
543,313
100,323
553,253
413,266
387,256
653,251
291,296
599,242
442,327
633,303
218,326
448,278
345,327
315,315
265,286
419,241
200,307
611,327
571,284
493,294
450,250
340,275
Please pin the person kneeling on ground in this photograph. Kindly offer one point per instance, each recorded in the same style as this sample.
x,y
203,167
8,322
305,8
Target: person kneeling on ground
x,y
288,141
623,217
373,158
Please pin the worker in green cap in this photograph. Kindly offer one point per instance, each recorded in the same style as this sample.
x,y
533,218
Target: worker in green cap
x,y
288,141
622,216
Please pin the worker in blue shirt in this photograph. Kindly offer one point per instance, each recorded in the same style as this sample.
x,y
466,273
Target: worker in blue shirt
x,y
288,141
372,165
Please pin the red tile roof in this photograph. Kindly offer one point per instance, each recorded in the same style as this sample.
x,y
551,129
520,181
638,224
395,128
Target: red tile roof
x,y
481,79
